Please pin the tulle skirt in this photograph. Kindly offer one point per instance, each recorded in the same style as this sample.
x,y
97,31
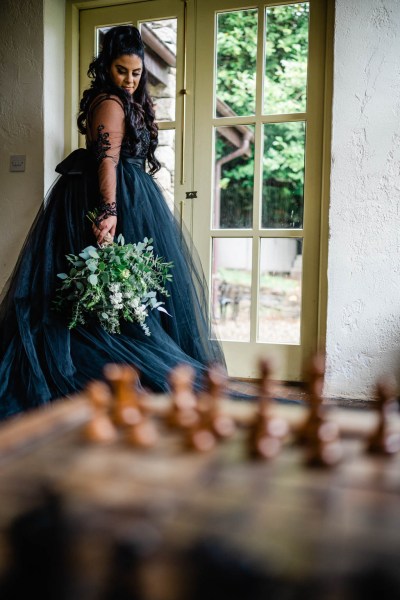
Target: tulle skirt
x,y
40,358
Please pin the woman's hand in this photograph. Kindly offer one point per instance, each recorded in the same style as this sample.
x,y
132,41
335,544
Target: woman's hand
x,y
105,226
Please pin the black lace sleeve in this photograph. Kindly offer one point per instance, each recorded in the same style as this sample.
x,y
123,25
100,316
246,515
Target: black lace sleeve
x,y
107,128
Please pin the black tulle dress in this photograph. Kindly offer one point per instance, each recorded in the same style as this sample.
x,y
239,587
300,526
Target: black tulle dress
x,y
40,358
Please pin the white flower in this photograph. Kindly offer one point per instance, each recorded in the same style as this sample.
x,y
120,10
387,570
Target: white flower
x,y
116,300
134,303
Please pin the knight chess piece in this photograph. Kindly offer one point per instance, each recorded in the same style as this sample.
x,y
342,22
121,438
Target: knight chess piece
x,y
100,427
383,440
318,433
268,431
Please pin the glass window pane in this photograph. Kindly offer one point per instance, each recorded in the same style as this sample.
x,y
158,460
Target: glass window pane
x,y
280,291
236,63
283,175
159,38
286,53
165,153
231,288
234,176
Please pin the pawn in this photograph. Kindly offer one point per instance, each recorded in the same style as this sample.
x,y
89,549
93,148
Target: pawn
x,y
211,415
126,409
319,435
383,441
212,424
183,411
100,428
267,432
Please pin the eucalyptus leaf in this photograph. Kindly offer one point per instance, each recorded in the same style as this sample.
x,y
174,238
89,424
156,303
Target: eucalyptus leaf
x,y
92,279
162,309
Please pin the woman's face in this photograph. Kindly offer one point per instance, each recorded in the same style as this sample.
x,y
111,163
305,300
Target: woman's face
x,y
126,71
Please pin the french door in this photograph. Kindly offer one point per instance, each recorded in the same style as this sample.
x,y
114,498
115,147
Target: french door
x,y
239,89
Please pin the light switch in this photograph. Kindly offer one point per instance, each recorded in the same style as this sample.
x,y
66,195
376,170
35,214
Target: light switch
x,y
17,162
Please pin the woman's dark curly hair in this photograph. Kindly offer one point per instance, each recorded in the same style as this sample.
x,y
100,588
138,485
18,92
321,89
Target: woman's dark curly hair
x,y
139,111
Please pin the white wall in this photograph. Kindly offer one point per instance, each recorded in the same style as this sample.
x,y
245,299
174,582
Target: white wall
x,y
363,334
31,82
21,123
54,52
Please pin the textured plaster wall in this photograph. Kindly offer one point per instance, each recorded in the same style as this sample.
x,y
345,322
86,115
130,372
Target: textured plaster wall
x,y
21,122
54,86
363,333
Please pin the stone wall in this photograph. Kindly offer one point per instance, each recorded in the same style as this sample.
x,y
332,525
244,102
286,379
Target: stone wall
x,y
164,100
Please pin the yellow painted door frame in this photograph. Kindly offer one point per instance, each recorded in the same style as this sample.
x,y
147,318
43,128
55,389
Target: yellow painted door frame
x,y
242,357
194,123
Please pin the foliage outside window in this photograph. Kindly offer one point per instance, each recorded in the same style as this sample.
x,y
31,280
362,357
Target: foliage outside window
x,y
284,93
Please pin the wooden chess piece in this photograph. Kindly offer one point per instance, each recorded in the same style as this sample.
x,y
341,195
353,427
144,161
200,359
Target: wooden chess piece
x,y
383,440
210,403
268,431
201,439
212,425
143,434
183,412
318,434
100,427
126,409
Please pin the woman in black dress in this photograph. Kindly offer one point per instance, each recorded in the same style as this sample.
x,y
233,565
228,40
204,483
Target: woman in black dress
x,y
40,358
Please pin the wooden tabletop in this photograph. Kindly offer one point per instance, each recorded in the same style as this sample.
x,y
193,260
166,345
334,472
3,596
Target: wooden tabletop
x,y
289,522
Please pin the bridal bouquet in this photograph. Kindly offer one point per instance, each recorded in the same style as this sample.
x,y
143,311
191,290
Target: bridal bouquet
x,y
114,282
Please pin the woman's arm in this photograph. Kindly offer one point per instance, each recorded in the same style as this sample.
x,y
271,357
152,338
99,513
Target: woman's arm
x,y
107,128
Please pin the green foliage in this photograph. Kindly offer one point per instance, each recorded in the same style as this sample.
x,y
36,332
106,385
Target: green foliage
x,y
113,283
236,187
236,59
284,92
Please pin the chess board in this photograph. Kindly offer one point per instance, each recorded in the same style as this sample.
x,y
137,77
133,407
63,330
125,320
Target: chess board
x,y
197,524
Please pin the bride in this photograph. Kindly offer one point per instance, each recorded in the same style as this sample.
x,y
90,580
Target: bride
x,y
40,358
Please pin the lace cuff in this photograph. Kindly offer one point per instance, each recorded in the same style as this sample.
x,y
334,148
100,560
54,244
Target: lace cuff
x,y
105,210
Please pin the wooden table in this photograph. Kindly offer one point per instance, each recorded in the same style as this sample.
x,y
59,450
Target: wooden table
x,y
169,524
